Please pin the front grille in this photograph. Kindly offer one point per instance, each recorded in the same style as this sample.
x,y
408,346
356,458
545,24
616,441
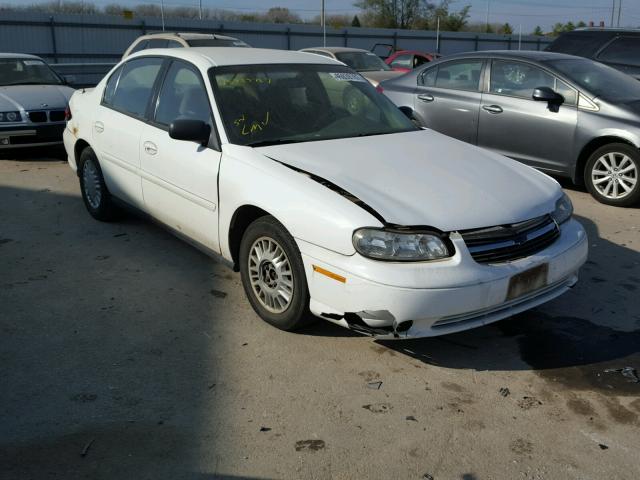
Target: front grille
x,y
56,115
38,117
505,243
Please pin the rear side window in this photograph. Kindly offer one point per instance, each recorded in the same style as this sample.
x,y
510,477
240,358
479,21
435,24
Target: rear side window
x,y
623,50
110,89
460,75
183,96
133,87
140,46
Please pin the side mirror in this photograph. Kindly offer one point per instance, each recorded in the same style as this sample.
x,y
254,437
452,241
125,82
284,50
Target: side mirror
x,y
546,94
190,131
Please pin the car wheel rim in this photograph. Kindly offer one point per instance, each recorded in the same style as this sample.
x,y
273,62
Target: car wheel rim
x,y
614,175
271,275
91,182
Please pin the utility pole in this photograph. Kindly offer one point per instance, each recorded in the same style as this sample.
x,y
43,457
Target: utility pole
x,y
324,26
438,35
200,9
613,10
520,38
162,13
619,11
487,16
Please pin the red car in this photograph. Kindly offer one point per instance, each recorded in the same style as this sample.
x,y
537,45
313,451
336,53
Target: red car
x,y
407,60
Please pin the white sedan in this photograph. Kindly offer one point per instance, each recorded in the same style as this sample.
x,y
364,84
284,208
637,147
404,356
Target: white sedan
x,y
345,211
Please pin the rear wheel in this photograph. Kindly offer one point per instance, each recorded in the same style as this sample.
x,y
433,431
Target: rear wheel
x,y
273,275
95,194
611,175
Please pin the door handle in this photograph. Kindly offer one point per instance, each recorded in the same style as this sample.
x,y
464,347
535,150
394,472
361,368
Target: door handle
x,y
150,148
98,127
426,98
492,108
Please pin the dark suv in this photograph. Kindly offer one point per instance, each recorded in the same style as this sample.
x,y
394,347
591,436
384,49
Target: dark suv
x,y
617,48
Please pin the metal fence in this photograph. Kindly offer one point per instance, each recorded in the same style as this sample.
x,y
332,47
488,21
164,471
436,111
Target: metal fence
x,y
87,45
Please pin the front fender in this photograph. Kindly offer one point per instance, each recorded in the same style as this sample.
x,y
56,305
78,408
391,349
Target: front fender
x,y
308,210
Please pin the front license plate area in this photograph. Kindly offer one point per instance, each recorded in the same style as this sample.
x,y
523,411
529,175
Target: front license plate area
x,y
528,281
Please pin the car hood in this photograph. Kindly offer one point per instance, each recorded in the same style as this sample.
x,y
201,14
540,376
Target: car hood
x,y
424,178
32,97
380,76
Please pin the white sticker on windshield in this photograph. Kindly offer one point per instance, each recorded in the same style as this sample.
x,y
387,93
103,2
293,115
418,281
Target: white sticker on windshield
x,y
347,77
32,62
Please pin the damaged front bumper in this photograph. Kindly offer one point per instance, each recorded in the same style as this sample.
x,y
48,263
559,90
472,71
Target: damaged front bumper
x,y
399,300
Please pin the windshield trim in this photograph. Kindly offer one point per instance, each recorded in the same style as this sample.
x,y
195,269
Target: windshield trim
x,y
211,72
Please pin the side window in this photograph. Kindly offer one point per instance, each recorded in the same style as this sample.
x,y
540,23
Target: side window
x,y
158,43
133,91
174,44
112,83
460,75
419,60
140,46
403,61
518,79
570,94
622,50
428,77
183,96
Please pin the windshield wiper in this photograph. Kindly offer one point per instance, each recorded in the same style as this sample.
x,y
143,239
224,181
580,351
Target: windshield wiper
x,y
279,141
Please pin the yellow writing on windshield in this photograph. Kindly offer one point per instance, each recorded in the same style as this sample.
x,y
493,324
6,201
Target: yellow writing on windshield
x,y
251,127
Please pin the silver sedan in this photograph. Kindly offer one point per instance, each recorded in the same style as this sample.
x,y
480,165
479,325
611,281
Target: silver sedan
x,y
565,115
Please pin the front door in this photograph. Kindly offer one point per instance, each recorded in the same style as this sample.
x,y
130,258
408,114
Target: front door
x,y
447,98
513,124
180,178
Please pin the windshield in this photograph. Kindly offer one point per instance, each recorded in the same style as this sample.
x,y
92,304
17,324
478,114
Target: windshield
x,y
26,71
362,61
271,104
216,42
600,80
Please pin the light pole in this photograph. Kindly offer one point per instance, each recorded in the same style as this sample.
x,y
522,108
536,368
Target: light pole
x,y
619,11
162,13
487,16
200,9
324,26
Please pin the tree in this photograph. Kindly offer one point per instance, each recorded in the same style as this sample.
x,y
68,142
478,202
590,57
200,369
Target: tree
x,y
281,15
392,13
581,24
355,22
507,29
538,31
569,27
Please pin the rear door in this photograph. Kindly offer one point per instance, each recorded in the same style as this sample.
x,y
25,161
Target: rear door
x,y
180,178
513,124
447,98
118,122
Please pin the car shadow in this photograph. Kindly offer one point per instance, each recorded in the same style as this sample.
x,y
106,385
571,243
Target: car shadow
x,y
574,339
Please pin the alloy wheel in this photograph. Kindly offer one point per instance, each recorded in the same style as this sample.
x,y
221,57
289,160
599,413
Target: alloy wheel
x,y
614,175
91,183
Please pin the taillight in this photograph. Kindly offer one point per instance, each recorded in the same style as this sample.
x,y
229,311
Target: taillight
x,y
67,114
379,89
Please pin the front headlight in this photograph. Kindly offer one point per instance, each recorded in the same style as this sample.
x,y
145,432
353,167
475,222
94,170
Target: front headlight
x,y
10,117
564,209
400,246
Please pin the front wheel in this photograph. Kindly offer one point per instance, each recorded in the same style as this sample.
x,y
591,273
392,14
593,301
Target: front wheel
x,y
273,275
611,175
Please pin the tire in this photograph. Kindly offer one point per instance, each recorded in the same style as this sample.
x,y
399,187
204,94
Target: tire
x,y
95,194
610,174
266,284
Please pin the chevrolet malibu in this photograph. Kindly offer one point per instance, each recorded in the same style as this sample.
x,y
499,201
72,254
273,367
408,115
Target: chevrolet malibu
x,y
353,215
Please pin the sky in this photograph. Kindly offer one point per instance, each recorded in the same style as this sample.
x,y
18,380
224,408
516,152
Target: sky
x,y
527,13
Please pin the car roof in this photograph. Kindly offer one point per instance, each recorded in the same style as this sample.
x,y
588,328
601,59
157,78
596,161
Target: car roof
x,y
19,55
221,56
533,55
335,49
412,52
187,35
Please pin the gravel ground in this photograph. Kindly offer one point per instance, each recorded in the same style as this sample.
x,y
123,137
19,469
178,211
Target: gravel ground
x,y
125,353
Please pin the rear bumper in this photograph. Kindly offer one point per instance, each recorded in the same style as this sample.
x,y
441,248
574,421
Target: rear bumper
x,y
31,135
436,298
